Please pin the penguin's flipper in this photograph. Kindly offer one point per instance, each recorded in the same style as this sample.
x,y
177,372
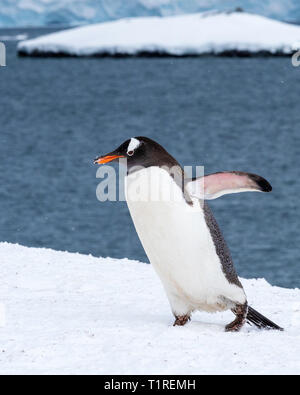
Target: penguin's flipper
x,y
215,185
254,317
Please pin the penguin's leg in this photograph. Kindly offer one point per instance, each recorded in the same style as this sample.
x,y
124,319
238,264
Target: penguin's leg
x,y
181,309
241,311
181,320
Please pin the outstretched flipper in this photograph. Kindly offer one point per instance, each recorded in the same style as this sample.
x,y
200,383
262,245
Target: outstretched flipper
x,y
215,185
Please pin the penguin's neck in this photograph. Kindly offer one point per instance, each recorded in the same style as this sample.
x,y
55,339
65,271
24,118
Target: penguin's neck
x,y
157,183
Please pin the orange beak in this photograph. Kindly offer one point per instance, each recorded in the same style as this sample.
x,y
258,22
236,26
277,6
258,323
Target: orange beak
x,y
107,158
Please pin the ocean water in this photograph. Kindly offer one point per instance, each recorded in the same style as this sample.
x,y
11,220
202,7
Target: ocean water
x,y
57,115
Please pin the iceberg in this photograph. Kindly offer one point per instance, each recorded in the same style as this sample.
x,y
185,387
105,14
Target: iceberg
x,y
66,313
185,35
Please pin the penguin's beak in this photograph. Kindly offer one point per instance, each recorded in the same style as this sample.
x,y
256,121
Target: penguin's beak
x,y
107,158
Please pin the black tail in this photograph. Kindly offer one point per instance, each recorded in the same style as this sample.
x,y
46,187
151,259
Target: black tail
x,y
254,317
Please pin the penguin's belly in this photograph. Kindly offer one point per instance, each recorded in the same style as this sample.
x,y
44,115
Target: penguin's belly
x,y
178,244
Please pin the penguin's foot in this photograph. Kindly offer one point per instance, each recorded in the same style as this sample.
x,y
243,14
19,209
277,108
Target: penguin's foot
x,y
181,320
241,312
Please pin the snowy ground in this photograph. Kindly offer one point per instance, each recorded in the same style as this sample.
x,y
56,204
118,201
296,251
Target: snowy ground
x,y
193,34
70,314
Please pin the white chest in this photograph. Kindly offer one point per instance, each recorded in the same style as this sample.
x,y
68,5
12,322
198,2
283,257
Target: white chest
x,y
175,237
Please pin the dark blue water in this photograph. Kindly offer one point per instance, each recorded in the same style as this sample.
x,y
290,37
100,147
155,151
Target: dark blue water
x,y
56,115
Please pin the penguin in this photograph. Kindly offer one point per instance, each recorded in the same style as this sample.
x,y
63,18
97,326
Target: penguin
x,y
180,234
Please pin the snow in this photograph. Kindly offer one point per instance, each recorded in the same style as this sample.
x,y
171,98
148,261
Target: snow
x,y
74,12
74,314
193,34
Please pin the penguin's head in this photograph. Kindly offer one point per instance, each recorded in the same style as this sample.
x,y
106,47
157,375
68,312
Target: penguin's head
x,y
139,152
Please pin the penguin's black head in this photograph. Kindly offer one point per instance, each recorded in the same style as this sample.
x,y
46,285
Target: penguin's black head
x,y
139,151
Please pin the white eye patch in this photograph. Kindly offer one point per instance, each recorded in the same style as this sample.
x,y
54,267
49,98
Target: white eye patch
x,y
134,143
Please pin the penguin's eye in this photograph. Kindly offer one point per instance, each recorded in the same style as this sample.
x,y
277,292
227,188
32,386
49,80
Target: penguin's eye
x,y
130,153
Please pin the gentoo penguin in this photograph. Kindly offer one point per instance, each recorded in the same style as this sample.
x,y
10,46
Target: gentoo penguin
x,y
180,234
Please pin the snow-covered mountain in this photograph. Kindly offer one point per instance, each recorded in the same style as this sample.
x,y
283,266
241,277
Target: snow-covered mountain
x,y
72,12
